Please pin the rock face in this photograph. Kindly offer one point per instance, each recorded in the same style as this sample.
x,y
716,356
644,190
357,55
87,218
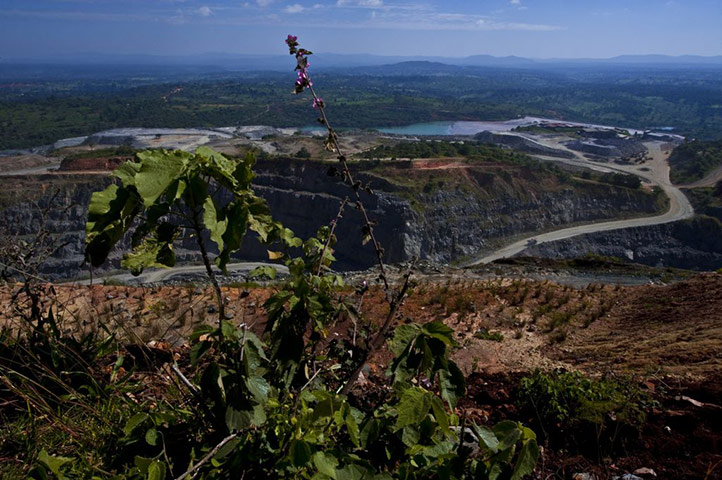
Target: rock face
x,y
694,244
440,216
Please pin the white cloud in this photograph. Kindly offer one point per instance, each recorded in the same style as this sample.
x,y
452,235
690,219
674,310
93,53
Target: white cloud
x,y
515,2
295,8
77,15
432,20
360,3
381,14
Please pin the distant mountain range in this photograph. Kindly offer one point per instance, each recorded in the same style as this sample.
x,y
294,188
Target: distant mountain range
x,y
239,62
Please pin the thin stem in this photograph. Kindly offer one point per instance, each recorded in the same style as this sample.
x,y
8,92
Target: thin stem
x,y
183,379
462,431
378,340
330,235
347,174
210,455
210,272
395,301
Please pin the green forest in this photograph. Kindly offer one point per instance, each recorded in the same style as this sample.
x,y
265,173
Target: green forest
x,y
41,112
694,160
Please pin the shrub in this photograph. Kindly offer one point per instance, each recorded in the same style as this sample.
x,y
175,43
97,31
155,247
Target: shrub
x,y
484,334
565,402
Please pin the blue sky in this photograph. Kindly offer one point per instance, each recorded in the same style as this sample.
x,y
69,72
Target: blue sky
x,y
530,28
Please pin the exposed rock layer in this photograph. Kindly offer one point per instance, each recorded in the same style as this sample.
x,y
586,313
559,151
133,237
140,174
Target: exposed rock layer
x,y
694,244
444,216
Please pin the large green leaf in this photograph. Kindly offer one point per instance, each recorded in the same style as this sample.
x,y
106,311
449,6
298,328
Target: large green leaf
x,y
237,218
440,331
413,407
218,166
452,384
326,464
134,422
110,214
353,472
237,420
156,471
352,429
300,453
508,433
101,203
253,354
258,386
403,336
127,172
151,437
244,170
196,191
155,250
54,463
159,169
487,438
442,418
526,461
215,221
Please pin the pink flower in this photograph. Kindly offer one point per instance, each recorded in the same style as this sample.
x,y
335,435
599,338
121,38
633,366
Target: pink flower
x,y
318,102
291,39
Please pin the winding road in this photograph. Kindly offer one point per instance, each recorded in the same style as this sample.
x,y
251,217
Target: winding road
x,y
161,275
655,172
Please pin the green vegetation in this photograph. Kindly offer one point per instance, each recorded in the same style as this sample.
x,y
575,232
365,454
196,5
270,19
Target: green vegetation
x,y
611,409
571,132
484,334
692,161
621,180
707,201
473,151
103,152
492,170
564,397
613,178
49,110
303,153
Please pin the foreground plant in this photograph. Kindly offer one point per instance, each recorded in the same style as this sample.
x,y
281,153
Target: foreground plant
x,y
281,402
166,193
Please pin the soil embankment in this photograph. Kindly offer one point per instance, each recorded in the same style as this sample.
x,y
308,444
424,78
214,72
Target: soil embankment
x,y
666,337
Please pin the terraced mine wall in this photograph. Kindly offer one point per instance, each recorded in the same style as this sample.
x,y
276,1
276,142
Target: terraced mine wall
x,y
694,244
438,215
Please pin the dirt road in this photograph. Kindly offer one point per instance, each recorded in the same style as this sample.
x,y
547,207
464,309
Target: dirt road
x,y
710,180
656,172
155,276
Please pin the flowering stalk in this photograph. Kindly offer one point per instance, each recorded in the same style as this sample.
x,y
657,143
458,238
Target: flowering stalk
x,y
395,300
303,82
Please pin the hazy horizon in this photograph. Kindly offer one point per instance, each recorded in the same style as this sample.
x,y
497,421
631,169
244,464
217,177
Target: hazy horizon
x,y
543,29
211,54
